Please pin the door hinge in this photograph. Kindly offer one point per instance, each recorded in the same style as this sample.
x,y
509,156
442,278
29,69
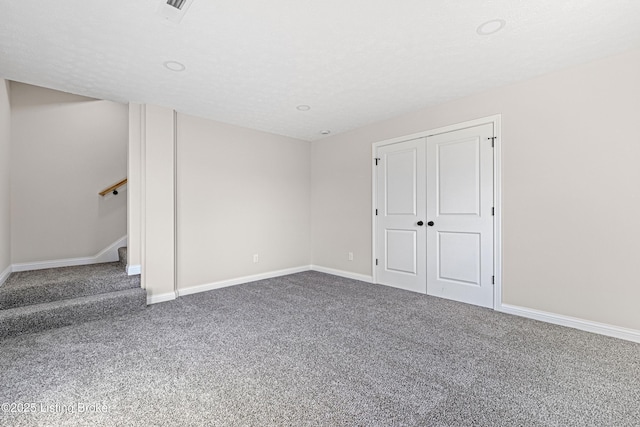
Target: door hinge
x,y
377,159
493,140
376,212
493,211
376,261
493,280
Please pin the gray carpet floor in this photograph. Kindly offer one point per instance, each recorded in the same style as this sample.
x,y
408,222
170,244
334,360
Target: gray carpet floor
x,y
313,349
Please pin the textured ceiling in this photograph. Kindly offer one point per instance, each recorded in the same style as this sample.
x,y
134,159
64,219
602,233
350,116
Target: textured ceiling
x,y
251,62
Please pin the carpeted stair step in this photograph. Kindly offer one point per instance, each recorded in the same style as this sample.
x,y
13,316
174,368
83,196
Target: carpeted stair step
x,y
38,317
42,286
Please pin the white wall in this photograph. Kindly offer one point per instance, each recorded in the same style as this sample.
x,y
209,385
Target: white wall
x,y
240,192
64,150
5,201
571,155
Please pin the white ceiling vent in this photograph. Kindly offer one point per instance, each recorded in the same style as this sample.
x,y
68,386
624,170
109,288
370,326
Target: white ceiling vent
x,y
173,10
176,3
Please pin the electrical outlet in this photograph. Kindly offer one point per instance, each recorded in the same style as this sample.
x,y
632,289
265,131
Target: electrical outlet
x,y
350,256
256,259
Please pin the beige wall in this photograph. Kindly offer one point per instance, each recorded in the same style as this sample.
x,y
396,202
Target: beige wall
x,y
240,192
5,143
65,149
570,156
134,187
158,210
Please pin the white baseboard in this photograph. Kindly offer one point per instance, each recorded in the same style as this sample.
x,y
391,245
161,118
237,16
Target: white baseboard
x,y
572,322
240,280
5,275
341,273
132,270
108,254
253,278
155,299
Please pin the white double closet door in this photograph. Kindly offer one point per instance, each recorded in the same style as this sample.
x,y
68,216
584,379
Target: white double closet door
x,y
434,222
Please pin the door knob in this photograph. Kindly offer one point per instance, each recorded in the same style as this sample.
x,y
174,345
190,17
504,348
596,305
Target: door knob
x,y
420,223
430,223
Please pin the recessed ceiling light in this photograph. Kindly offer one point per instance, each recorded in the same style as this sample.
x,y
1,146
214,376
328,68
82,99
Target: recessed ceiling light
x,y
325,132
491,27
174,66
303,107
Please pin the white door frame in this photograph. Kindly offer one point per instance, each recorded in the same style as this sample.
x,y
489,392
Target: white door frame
x,y
497,192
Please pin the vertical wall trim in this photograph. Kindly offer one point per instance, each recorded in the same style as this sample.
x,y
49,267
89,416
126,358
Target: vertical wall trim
x,y
175,202
134,190
497,203
143,194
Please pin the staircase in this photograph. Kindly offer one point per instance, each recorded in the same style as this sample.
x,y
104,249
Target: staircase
x,y
33,301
